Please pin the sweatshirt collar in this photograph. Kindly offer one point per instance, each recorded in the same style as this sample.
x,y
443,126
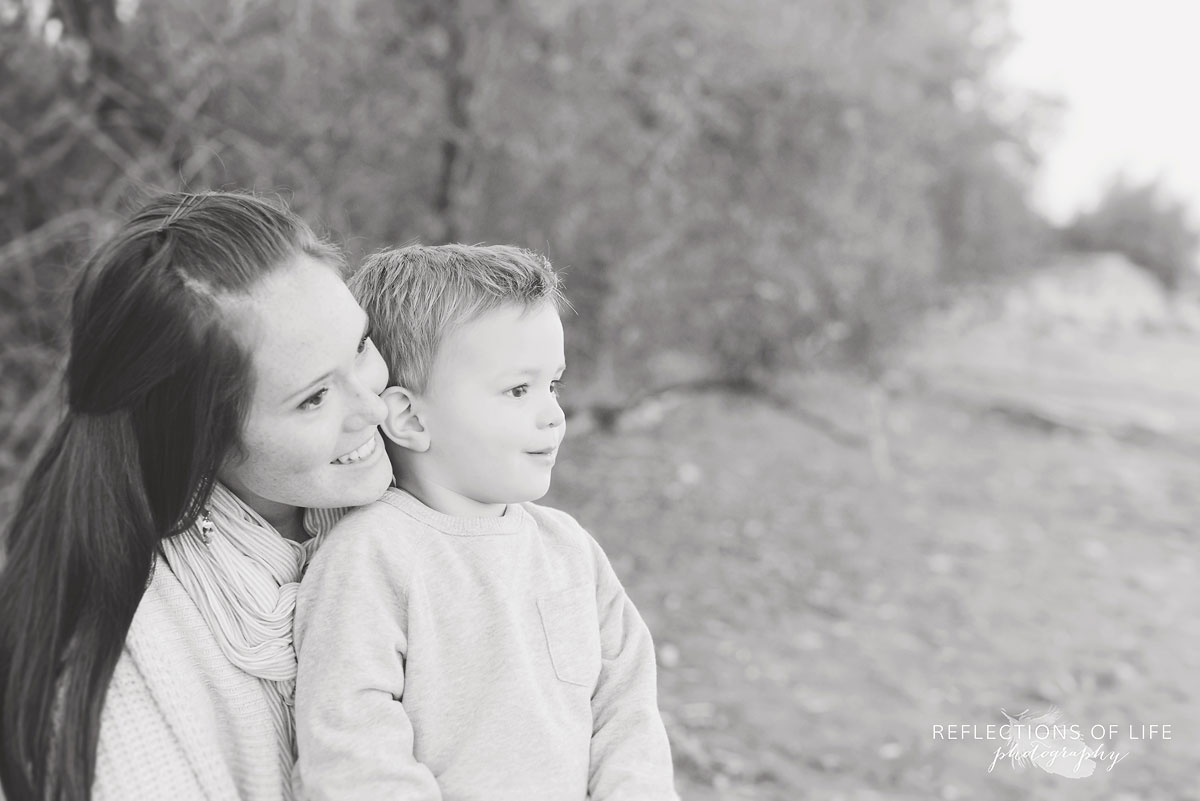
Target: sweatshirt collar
x,y
508,523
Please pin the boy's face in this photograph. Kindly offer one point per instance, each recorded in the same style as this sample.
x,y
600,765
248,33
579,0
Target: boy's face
x,y
490,410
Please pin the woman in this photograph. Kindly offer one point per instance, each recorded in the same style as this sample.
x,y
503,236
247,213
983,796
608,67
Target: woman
x,y
220,379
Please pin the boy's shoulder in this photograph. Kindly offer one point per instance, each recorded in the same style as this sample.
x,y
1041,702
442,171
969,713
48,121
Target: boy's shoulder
x,y
374,529
559,526
377,516
551,516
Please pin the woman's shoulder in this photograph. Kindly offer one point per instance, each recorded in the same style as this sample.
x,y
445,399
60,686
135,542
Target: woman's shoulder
x,y
167,627
156,729
167,708
169,642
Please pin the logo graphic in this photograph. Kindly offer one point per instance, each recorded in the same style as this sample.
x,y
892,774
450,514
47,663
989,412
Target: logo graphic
x,y
1042,741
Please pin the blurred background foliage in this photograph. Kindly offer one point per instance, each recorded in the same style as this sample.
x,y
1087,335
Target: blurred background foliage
x,y
1146,225
734,187
751,194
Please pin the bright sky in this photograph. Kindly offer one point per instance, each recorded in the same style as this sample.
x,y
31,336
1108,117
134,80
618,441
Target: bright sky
x,y
1129,71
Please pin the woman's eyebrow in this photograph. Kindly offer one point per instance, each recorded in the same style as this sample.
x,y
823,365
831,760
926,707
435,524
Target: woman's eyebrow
x,y
326,375
308,387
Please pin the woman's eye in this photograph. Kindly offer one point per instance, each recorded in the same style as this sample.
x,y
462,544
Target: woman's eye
x,y
362,344
519,392
314,400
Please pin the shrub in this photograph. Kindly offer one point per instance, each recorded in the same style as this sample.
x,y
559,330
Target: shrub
x,y
1145,224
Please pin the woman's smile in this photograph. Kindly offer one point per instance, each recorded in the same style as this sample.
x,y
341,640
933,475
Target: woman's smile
x,y
361,453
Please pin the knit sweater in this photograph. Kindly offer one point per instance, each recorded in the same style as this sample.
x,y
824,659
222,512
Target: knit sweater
x,y
180,721
473,658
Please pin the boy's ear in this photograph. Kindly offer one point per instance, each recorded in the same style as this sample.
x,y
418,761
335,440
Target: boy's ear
x,y
403,425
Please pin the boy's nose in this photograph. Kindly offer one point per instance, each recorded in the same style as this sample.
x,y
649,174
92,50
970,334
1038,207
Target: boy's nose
x,y
552,415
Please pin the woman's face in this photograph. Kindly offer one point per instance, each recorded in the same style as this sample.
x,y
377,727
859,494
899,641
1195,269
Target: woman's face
x,y
310,437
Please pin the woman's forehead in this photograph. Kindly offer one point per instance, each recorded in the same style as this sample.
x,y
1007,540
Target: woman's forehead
x,y
296,325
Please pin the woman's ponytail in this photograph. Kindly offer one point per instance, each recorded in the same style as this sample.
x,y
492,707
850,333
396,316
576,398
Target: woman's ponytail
x,y
80,550
157,386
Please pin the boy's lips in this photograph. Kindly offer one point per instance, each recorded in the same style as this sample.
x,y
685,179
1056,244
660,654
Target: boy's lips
x,y
547,455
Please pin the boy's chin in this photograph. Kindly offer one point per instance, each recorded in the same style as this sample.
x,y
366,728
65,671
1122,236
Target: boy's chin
x,y
530,494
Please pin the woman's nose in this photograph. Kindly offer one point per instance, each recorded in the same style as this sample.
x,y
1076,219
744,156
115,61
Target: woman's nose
x,y
376,409
368,409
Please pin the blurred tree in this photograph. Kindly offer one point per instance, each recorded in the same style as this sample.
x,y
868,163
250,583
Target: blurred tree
x,y
763,181
734,187
1143,222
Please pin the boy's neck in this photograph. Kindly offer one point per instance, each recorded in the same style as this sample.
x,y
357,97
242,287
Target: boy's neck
x,y
442,499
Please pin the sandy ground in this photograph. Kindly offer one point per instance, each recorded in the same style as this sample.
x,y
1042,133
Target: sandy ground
x,y
1009,527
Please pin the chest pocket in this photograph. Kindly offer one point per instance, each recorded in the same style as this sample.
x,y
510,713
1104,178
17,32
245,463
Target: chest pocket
x,y
572,634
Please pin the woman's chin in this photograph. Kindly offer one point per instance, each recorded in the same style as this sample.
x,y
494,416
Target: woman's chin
x,y
362,482
359,485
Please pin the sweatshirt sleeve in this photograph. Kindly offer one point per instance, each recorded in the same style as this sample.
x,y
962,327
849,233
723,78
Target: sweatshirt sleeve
x,y
354,738
630,755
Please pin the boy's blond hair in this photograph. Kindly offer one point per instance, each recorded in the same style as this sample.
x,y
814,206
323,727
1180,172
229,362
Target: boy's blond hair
x,y
416,294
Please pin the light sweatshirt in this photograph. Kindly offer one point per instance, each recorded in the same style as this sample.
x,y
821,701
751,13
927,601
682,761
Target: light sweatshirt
x,y
460,658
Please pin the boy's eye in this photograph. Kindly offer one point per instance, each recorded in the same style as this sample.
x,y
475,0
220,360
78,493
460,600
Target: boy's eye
x,y
362,343
556,387
314,400
518,392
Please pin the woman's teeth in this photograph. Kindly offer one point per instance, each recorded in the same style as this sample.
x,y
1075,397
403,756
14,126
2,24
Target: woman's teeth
x,y
357,455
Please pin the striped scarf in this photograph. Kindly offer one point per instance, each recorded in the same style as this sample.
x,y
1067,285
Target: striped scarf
x,y
243,577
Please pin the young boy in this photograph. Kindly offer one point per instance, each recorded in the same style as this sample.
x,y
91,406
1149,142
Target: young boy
x,y
457,641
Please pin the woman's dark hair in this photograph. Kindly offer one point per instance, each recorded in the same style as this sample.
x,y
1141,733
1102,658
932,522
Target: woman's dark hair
x,y
157,390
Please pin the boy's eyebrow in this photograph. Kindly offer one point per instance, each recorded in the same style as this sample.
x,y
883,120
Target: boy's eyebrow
x,y
533,371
